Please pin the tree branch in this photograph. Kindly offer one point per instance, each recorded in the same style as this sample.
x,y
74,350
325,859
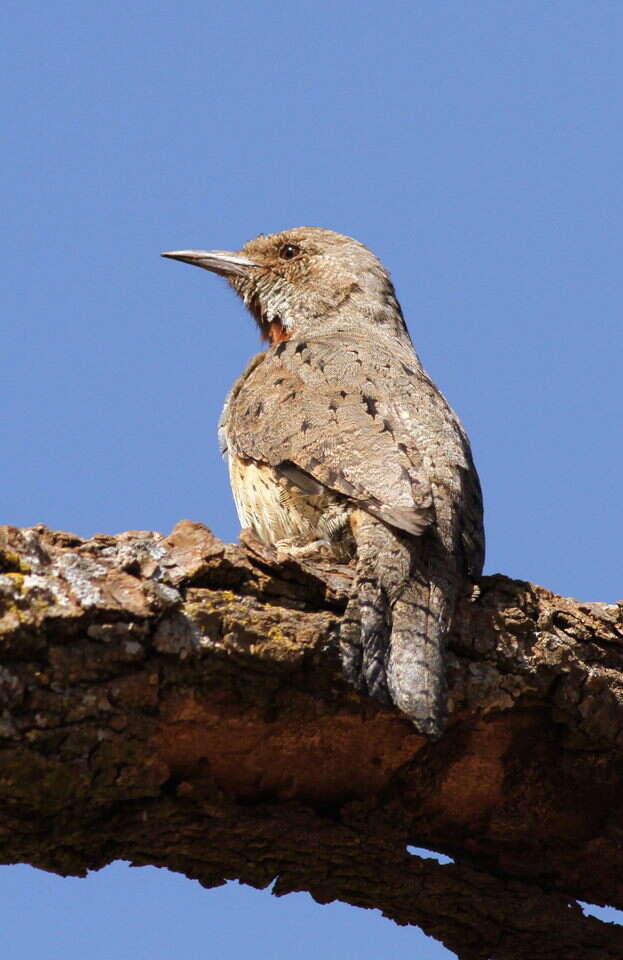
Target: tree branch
x,y
178,701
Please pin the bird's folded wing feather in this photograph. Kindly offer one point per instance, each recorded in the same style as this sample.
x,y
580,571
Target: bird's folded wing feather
x,y
357,417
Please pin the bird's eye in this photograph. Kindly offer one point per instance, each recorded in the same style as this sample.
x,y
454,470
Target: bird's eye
x,y
289,251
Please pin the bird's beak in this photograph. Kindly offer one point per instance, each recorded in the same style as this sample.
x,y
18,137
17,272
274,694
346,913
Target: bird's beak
x,y
224,262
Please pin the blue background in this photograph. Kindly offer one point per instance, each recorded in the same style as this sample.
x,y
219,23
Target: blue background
x,y
476,147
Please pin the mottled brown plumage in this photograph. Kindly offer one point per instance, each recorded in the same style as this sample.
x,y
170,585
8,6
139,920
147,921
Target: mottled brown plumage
x,y
337,439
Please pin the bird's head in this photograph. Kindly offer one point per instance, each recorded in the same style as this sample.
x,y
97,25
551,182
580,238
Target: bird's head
x,y
304,279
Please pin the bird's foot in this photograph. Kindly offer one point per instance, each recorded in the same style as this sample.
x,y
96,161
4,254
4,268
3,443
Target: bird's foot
x,y
291,549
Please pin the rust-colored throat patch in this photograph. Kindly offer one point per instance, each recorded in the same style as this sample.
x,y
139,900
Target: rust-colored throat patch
x,y
274,332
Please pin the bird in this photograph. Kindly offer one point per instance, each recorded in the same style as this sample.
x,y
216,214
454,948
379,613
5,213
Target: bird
x,y
339,443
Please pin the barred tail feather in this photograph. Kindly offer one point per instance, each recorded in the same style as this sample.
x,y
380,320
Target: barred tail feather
x,y
416,671
395,625
365,636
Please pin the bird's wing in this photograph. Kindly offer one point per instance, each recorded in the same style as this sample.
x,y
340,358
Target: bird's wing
x,y
356,416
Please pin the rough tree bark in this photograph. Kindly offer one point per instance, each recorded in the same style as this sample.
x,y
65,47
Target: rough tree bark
x,y
178,701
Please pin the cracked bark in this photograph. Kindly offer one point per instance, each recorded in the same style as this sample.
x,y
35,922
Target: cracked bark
x,y
178,701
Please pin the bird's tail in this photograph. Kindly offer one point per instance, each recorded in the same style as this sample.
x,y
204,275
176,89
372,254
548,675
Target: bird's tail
x,y
394,629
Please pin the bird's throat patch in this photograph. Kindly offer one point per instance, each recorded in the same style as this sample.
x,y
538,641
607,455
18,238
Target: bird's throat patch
x,y
271,331
275,332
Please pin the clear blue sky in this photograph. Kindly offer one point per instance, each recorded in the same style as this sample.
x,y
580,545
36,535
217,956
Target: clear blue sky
x,y
476,147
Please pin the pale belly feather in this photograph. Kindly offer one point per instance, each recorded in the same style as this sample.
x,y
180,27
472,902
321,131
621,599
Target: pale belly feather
x,y
278,512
